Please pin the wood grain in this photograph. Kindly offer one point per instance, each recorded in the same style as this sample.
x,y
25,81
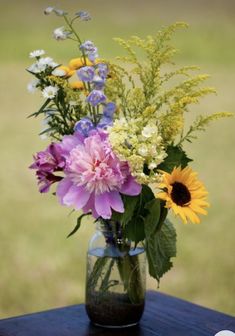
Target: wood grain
x,y
164,316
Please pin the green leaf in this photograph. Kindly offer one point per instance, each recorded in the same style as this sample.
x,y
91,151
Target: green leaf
x,y
153,217
130,203
79,220
175,157
134,230
146,194
41,110
160,248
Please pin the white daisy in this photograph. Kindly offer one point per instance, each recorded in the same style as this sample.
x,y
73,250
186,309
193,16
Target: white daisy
x,y
45,62
36,53
34,68
50,92
60,34
32,86
58,72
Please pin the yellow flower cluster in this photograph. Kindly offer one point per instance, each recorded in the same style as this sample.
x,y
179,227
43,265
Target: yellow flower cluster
x,y
139,143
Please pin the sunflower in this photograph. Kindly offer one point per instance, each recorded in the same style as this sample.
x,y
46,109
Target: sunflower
x,y
184,194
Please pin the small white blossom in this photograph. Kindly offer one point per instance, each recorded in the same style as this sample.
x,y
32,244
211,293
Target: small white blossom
x,y
58,72
32,86
49,10
60,34
149,130
36,53
143,151
152,165
50,92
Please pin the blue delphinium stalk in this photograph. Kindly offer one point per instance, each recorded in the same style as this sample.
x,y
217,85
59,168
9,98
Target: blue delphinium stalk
x,y
98,83
86,73
90,50
96,97
102,70
109,110
84,126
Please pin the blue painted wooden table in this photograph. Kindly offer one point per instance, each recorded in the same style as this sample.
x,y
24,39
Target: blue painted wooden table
x,y
164,316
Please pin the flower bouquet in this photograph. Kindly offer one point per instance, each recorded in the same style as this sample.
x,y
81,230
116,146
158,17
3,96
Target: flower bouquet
x,y
116,154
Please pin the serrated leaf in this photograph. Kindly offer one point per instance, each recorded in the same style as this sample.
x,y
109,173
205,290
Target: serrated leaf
x,y
160,248
79,220
175,157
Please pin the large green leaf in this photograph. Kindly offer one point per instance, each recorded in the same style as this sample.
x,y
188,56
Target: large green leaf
x,y
130,203
175,157
134,229
160,248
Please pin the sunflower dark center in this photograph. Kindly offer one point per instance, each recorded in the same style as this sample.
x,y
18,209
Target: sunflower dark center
x,y
180,194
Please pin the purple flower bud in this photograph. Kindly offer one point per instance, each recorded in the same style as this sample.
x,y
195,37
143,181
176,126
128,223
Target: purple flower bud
x,y
84,16
109,110
103,70
49,10
96,97
86,74
46,163
84,126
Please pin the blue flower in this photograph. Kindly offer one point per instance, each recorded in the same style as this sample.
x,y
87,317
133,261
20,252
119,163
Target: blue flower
x,y
96,97
109,110
84,126
98,83
87,46
93,55
90,50
103,70
105,122
86,74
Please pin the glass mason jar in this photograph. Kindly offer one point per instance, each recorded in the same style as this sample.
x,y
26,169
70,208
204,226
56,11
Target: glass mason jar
x,y
116,278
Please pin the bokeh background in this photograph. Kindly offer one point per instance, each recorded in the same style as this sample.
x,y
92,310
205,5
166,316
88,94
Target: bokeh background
x,y
39,267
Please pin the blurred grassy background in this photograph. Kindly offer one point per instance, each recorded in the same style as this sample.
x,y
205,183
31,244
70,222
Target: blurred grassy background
x,y
39,268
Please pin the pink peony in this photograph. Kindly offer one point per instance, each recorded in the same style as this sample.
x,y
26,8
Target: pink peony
x,y
95,177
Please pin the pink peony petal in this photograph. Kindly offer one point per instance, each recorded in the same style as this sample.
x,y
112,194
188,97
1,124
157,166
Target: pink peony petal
x,y
131,187
115,201
102,205
63,188
69,142
76,197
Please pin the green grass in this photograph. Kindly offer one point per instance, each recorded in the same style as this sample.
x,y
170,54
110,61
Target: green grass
x,y
40,268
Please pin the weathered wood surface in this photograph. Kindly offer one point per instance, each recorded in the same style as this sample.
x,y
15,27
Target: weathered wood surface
x,y
164,316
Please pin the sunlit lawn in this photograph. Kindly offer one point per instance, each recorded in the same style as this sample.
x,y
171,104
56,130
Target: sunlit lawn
x,y
39,267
